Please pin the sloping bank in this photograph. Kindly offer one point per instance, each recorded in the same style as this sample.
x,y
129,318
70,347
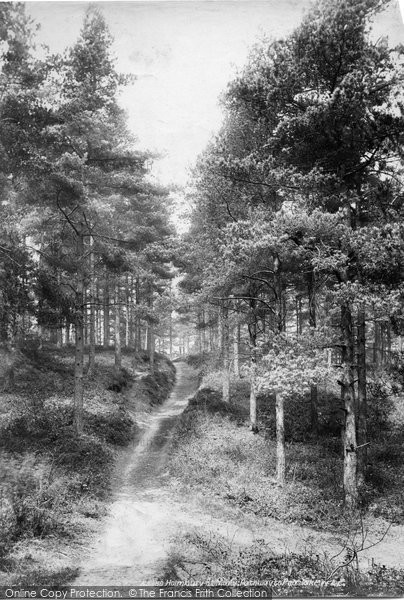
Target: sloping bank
x,y
55,485
228,472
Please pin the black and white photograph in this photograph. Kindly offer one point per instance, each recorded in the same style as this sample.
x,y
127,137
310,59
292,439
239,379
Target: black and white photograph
x,y
201,299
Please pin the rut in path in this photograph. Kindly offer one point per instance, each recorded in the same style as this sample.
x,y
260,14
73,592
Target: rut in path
x,y
135,535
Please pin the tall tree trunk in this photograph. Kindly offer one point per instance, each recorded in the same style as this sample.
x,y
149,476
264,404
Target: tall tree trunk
x,y
127,310
200,342
130,309
91,352
298,315
59,337
117,328
388,342
79,330
362,399
106,312
280,440
279,404
348,401
252,330
151,345
99,314
171,333
311,290
225,353
138,333
377,358
236,350
59,332
203,331
150,342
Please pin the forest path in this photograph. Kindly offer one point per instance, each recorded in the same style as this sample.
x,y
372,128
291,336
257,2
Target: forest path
x,y
131,542
136,536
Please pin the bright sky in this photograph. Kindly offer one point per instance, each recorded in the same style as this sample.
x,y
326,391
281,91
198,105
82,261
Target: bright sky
x,y
183,53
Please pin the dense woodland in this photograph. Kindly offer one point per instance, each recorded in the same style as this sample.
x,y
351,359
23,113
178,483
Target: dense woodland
x,y
87,242
289,281
296,242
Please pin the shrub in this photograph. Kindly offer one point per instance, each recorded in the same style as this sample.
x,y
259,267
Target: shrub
x,y
33,503
86,454
27,576
380,406
206,555
206,402
119,380
156,385
114,427
35,423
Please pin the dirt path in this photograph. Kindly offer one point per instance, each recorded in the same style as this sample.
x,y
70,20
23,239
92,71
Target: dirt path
x,y
136,536
131,543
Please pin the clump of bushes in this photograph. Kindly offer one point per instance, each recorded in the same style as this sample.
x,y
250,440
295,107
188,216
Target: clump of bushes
x,y
35,423
27,576
207,555
115,428
52,424
156,385
205,402
120,380
210,401
33,503
85,454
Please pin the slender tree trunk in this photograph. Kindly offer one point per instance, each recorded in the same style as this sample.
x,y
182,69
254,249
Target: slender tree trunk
x,y
150,341
382,329
252,333
377,359
59,338
151,345
59,332
171,333
311,289
388,342
299,315
127,310
211,335
280,440
362,400
117,329
79,348
200,339
225,353
279,399
253,392
138,333
91,353
348,400
85,316
99,316
130,309
236,350
106,312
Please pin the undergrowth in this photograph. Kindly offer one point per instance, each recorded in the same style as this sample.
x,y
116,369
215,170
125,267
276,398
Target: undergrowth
x,y
50,477
209,557
215,453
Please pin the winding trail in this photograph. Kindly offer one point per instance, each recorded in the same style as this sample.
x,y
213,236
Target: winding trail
x,y
134,536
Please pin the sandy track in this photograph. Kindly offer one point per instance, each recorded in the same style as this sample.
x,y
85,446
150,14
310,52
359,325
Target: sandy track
x,y
134,536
